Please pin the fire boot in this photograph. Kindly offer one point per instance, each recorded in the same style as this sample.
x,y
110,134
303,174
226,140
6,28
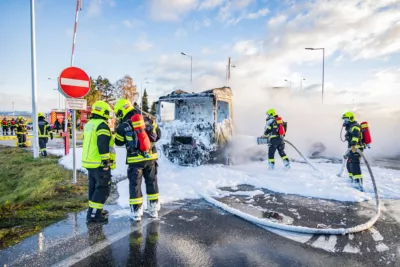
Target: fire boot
x,y
96,216
286,163
271,165
153,207
136,212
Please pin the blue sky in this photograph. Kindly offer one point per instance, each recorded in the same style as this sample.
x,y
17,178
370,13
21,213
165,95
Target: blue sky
x,y
265,39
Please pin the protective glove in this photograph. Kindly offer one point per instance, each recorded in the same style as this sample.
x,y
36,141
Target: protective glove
x,y
353,149
51,136
149,128
105,164
369,147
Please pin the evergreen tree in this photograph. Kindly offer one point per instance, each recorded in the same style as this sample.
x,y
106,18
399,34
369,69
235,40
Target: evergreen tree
x,y
153,109
145,101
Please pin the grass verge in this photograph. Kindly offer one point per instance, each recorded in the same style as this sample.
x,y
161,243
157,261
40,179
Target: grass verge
x,y
34,193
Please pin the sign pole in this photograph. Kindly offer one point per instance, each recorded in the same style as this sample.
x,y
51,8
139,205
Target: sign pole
x,y
74,179
34,96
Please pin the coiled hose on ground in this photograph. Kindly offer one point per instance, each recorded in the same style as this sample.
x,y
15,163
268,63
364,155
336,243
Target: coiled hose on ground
x,y
301,229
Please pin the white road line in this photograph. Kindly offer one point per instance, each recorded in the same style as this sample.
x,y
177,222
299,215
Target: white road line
x,y
375,234
74,82
83,254
323,243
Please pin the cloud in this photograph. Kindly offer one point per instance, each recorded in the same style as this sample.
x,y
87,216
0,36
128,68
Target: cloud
x,y
252,15
171,10
247,47
206,51
210,4
133,23
142,44
361,30
180,33
95,7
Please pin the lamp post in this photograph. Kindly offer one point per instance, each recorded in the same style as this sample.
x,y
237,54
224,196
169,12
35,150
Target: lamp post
x,y
228,71
301,83
191,66
289,83
323,68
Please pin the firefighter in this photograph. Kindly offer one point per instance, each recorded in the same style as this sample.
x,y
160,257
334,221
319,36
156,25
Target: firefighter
x,y
139,164
354,141
44,133
98,157
275,140
12,128
22,131
4,123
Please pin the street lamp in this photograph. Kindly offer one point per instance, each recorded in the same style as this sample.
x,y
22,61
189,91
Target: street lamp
x,y
301,83
191,66
228,73
323,68
289,83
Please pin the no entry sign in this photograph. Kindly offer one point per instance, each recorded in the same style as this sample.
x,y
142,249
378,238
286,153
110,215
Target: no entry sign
x,y
74,82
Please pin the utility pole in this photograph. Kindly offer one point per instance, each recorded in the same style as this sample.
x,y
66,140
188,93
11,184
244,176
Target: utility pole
x,y
191,66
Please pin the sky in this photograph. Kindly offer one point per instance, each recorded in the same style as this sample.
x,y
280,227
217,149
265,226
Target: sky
x,y
264,38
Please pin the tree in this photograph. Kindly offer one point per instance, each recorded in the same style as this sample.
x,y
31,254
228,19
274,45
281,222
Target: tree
x,y
125,88
93,94
106,89
145,101
153,109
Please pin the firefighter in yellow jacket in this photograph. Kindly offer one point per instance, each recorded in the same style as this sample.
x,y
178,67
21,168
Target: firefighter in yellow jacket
x,y
98,157
138,164
44,133
22,131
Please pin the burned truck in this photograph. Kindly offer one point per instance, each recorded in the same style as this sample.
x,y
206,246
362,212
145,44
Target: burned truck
x,y
197,127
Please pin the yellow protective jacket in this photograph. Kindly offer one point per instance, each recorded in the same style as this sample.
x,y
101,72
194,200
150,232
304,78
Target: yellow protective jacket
x,y
98,144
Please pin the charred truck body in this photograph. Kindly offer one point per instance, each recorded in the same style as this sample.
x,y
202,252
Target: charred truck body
x,y
197,127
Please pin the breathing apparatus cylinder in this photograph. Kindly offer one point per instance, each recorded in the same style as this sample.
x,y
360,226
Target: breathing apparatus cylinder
x,y
281,129
366,133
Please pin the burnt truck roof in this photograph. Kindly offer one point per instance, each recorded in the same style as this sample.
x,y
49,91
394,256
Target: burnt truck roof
x,y
223,93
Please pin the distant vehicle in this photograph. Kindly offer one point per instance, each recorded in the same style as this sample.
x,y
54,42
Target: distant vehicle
x,y
29,126
197,127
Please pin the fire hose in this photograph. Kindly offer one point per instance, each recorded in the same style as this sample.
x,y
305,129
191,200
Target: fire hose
x,y
302,229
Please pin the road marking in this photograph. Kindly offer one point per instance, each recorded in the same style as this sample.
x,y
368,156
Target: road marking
x,y
325,243
351,249
83,254
375,234
74,82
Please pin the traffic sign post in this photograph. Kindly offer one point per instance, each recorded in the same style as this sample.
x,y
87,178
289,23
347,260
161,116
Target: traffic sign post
x,y
74,84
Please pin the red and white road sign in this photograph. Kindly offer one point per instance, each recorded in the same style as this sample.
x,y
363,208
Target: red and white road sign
x,y
74,82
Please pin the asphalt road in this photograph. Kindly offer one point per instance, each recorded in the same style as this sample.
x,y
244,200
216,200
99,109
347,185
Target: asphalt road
x,y
195,233
191,233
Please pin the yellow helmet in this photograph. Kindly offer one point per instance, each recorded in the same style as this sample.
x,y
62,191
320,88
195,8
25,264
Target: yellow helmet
x,y
40,114
271,112
102,109
122,107
349,115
